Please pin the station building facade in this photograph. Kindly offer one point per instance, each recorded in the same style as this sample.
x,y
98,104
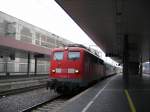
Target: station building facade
x,y
11,27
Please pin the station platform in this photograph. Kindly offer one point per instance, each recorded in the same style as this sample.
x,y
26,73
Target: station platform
x,y
113,95
19,83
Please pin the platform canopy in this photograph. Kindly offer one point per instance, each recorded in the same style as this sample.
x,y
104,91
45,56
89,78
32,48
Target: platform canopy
x,y
107,22
16,48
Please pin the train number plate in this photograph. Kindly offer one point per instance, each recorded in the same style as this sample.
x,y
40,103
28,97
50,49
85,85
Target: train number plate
x,y
58,70
70,70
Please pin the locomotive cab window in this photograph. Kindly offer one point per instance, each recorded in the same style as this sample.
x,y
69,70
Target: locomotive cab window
x,y
73,55
58,55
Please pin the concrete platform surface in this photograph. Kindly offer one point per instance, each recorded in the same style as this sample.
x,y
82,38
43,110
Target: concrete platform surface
x,y
113,95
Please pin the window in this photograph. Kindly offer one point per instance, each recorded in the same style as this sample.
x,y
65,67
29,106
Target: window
x,y
72,55
58,55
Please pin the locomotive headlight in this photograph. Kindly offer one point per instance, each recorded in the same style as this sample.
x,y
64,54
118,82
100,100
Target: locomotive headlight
x,y
66,48
76,71
53,71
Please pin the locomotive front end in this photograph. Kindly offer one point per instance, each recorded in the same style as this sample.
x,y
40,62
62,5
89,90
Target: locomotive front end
x,y
66,69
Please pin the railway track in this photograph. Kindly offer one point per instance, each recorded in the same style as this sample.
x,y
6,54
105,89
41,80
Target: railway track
x,y
49,106
20,90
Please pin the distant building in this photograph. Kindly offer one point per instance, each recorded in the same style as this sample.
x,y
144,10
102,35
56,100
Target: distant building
x,y
146,67
12,27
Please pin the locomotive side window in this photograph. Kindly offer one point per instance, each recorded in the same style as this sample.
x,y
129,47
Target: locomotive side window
x,y
58,55
73,55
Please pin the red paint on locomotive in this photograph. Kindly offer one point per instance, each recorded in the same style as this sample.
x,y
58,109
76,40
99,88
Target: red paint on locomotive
x,y
65,66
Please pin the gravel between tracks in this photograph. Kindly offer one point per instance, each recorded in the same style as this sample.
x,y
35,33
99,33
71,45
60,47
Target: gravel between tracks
x,y
16,103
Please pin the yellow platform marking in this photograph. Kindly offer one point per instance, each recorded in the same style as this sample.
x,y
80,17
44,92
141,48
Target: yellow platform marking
x,y
132,107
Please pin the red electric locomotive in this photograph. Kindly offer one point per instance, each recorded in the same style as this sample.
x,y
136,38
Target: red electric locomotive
x,y
74,67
